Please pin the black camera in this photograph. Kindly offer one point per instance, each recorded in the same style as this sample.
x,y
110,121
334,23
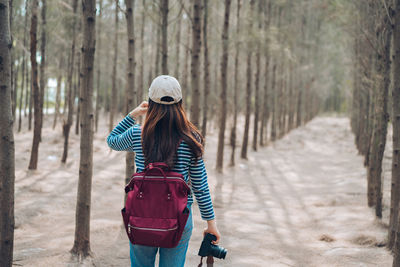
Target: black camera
x,y
209,249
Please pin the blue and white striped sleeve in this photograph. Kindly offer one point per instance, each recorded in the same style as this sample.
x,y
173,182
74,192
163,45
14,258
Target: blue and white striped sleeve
x,y
125,136
198,177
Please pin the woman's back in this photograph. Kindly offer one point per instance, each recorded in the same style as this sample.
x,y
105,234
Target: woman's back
x,y
127,136
167,136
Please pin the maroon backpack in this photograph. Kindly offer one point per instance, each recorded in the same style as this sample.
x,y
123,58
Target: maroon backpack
x,y
156,212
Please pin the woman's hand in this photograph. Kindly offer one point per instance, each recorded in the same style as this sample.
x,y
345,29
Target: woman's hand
x,y
212,229
139,110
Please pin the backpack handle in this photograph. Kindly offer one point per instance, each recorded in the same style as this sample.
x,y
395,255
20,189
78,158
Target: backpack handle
x,y
157,165
140,195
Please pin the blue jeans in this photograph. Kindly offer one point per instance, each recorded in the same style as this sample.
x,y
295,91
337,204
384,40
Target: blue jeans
x,y
145,256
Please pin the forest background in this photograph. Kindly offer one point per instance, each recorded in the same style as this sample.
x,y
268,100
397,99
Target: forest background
x,y
251,72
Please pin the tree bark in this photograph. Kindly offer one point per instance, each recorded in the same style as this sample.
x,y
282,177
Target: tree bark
x,y
382,82
265,106
243,153
81,246
43,78
235,87
395,187
16,73
58,92
71,99
164,33
224,85
257,81
206,89
12,62
185,74
77,86
21,95
142,55
131,91
35,88
291,104
7,156
114,93
157,46
98,57
30,98
23,70
178,42
195,64
273,104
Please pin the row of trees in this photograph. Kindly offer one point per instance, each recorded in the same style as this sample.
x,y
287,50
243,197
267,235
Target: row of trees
x,y
376,74
283,54
288,73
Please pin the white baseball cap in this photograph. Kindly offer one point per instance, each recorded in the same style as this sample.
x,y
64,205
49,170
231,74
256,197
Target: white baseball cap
x,y
165,86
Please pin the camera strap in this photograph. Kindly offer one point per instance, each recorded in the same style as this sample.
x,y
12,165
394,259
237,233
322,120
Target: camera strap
x,y
210,261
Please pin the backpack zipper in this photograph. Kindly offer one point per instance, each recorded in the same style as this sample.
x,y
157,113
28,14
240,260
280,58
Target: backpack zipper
x,y
168,177
150,229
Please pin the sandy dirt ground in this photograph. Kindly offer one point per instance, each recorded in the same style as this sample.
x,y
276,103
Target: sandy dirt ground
x,y
298,202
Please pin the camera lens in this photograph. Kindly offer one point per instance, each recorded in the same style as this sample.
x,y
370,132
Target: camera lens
x,y
222,253
218,252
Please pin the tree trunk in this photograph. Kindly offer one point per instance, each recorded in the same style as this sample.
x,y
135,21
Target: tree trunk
x,y
164,29
235,88
206,90
279,98
257,82
43,78
71,99
58,92
7,156
131,97
195,64
224,85
114,92
99,58
142,55
291,104
16,89
273,104
157,46
21,95
243,153
109,65
23,71
12,62
27,91
382,82
35,88
81,246
185,74
66,89
395,190
178,41
30,98
284,105
151,55
265,106
77,87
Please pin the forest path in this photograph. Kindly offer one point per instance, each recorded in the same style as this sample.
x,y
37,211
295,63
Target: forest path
x,y
284,204
300,201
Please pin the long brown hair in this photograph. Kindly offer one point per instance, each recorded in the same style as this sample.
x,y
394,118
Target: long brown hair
x,y
164,127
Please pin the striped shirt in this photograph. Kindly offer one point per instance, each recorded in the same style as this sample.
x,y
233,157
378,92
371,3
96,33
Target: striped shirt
x,y
126,136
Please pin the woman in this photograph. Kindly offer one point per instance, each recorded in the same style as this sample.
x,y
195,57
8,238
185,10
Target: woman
x,y
167,136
